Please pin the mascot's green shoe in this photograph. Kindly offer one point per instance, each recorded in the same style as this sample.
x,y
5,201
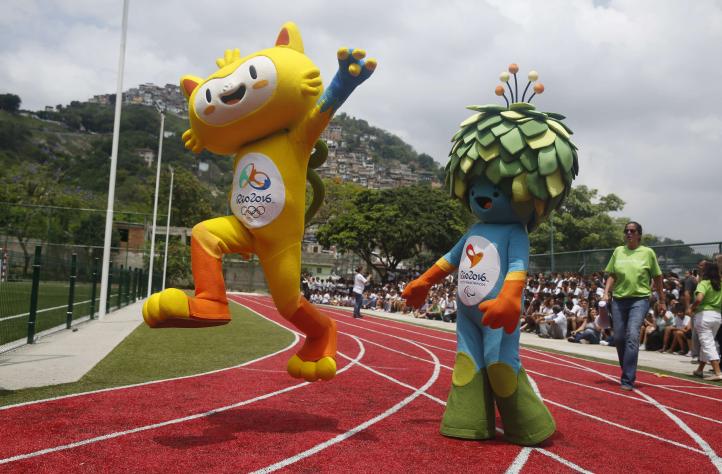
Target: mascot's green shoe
x,y
526,419
470,408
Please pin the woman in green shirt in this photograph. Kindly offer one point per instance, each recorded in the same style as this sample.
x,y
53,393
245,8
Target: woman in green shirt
x,y
707,319
630,270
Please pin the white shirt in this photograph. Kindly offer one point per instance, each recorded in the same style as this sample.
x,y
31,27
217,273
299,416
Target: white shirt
x,y
359,283
680,323
559,319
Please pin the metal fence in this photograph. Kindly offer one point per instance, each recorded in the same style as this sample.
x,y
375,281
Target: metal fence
x,y
672,258
49,292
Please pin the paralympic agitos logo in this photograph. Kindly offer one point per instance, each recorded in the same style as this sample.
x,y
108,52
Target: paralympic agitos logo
x,y
250,176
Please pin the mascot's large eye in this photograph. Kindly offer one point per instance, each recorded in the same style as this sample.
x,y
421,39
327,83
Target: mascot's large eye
x,y
496,195
253,72
208,95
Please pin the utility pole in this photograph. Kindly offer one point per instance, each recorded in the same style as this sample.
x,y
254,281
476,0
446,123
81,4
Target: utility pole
x,y
113,166
551,238
167,229
155,204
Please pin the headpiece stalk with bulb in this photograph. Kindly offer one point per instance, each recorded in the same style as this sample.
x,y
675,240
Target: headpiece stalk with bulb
x,y
504,77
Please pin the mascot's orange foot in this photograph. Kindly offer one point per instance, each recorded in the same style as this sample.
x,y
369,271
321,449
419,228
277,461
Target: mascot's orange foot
x,y
316,359
172,308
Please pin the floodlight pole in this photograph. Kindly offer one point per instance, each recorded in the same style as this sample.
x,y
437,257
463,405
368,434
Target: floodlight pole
x,y
113,166
167,228
551,238
155,204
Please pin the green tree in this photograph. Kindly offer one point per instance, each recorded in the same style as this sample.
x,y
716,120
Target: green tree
x,y
190,202
13,135
582,222
10,102
29,190
90,232
339,199
178,266
392,225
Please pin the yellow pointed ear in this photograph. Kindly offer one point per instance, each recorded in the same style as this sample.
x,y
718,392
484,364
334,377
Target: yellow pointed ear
x,y
290,37
188,84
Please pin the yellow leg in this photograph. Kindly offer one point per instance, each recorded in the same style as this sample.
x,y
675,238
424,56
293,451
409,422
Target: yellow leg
x,y
316,359
209,241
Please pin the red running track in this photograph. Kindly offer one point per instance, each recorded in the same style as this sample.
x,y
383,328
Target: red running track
x,y
381,412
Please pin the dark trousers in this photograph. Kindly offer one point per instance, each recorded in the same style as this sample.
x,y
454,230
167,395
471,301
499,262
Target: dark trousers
x,y
357,305
627,317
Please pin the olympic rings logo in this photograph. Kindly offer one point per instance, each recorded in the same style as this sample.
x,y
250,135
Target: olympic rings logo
x,y
258,180
253,211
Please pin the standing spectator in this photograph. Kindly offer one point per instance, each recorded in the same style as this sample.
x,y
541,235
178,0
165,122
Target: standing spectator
x,y
690,284
706,305
359,283
630,270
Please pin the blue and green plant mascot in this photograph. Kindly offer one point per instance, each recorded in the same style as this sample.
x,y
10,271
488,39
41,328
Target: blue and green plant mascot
x,y
511,166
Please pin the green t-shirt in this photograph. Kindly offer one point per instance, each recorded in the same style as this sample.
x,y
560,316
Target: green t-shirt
x,y
633,270
712,300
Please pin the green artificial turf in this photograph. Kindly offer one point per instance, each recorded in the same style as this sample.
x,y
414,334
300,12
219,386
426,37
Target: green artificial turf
x,y
15,305
154,354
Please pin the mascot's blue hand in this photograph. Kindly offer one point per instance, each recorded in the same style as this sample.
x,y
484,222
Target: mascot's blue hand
x,y
353,70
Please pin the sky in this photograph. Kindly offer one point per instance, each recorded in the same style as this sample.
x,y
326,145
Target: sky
x,y
637,79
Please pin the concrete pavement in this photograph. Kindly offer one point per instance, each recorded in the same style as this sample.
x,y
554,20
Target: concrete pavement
x,y
65,356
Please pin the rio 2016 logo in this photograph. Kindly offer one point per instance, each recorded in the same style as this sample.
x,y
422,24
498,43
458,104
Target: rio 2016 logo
x,y
258,180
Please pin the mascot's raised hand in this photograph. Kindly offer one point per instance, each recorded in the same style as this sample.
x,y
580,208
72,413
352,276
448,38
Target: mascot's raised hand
x,y
510,166
267,109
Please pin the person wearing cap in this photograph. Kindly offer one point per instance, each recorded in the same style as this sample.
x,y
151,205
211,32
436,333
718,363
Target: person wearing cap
x,y
631,269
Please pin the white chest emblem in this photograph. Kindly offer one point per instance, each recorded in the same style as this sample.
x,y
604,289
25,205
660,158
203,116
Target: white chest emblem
x,y
258,193
478,270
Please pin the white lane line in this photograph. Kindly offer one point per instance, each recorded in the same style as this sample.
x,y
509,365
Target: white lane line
x,y
706,448
296,338
570,408
711,387
543,451
622,395
551,455
611,364
626,428
405,354
612,377
331,309
175,421
399,382
44,310
391,326
563,461
343,436
518,464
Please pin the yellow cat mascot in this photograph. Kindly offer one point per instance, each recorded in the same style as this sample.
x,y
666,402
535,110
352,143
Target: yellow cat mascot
x,y
267,109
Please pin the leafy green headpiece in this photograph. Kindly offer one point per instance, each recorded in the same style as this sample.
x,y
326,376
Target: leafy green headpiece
x,y
527,153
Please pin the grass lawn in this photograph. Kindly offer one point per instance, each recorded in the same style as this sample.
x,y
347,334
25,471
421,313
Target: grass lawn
x,y
149,354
